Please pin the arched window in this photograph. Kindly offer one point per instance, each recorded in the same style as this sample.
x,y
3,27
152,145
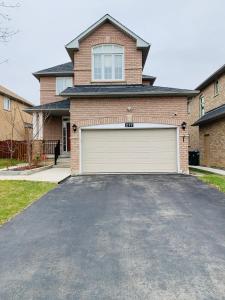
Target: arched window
x,y
108,62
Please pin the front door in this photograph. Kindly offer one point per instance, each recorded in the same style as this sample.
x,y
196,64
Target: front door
x,y
66,135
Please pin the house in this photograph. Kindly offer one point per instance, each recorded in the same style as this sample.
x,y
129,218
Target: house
x,y
207,115
13,119
107,115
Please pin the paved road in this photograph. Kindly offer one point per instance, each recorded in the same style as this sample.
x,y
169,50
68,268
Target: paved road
x,y
117,237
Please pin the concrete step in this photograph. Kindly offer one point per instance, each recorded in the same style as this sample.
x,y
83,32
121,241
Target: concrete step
x,y
63,162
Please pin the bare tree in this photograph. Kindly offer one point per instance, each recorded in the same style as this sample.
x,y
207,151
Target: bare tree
x,y
16,130
5,30
20,128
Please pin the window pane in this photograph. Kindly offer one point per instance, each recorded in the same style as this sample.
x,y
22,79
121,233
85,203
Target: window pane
x,y
62,83
97,66
118,67
118,49
97,49
216,88
68,82
107,48
107,66
202,106
6,103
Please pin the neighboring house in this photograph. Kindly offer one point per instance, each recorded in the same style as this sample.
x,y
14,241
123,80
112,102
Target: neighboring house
x,y
13,119
108,116
207,114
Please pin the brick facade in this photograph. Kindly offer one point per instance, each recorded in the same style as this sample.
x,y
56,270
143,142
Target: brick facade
x,y
211,101
108,34
48,90
53,128
87,112
193,116
215,134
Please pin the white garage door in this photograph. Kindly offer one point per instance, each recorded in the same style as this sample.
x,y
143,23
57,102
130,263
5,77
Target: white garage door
x,y
129,150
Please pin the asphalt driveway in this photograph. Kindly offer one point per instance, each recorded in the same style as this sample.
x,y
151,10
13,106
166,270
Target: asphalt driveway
x,y
117,237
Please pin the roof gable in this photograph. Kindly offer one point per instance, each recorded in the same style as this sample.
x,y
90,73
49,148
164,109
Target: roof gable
x,y
6,92
211,78
140,43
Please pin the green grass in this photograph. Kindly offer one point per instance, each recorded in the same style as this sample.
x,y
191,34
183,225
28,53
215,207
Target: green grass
x,y
17,195
215,180
5,162
199,172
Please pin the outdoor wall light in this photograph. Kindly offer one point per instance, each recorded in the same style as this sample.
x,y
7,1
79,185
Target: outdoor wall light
x,y
74,126
184,125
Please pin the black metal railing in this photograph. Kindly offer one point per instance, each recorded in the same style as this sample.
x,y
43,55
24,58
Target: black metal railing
x,y
49,146
57,151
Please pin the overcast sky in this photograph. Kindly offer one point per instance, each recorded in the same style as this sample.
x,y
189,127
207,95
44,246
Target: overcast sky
x,y
187,38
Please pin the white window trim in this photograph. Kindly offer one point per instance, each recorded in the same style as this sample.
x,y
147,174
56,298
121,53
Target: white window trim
x,y
123,64
8,108
57,79
200,105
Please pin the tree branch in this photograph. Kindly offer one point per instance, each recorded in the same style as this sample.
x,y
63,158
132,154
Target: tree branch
x,y
3,4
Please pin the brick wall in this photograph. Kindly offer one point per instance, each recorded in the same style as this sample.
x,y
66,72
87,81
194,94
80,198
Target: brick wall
x,y
86,112
216,149
53,128
108,34
15,119
193,130
211,102
48,90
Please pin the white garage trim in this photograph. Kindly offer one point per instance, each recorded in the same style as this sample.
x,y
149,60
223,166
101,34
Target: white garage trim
x,y
121,126
136,126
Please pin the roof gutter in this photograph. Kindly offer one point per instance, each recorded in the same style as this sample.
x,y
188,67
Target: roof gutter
x,y
205,122
132,94
57,74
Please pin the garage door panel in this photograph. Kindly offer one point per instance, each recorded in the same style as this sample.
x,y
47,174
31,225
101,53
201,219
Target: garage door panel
x,y
133,150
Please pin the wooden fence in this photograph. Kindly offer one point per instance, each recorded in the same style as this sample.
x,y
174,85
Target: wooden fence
x,y
18,149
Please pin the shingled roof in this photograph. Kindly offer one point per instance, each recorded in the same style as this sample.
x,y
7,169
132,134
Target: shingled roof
x,y
212,115
59,70
53,106
124,91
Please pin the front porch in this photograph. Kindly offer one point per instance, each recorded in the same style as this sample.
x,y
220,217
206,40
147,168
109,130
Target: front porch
x,y
51,131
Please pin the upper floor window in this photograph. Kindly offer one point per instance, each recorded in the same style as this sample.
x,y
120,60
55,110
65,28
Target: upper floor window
x,y
7,103
202,105
62,83
108,62
216,87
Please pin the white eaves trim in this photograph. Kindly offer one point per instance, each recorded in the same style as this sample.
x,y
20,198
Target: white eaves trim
x,y
74,44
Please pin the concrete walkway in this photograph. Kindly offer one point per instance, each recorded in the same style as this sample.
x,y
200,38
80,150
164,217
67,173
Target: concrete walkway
x,y
212,170
51,175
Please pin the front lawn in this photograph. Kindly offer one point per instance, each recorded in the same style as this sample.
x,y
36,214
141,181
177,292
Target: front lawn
x,y
6,162
217,181
17,195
